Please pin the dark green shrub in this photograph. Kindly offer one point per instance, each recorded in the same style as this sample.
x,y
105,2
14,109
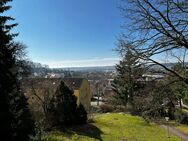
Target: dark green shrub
x,y
185,100
40,132
81,115
181,117
64,110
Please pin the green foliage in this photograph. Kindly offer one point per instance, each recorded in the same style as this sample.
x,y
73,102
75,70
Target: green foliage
x,y
64,110
40,132
179,87
162,97
181,117
185,99
15,119
23,125
128,71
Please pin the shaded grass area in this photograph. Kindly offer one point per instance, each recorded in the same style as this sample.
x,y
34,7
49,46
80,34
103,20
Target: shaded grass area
x,y
114,127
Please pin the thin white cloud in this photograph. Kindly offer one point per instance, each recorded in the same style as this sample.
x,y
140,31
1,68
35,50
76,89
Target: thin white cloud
x,y
82,63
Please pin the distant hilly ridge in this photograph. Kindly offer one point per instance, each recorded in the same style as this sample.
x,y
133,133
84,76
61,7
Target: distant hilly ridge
x,y
91,69
112,68
168,65
38,66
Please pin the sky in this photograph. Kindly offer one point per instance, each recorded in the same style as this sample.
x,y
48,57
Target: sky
x,y
69,33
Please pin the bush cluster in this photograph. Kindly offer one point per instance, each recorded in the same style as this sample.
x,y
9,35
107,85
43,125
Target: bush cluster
x,y
181,117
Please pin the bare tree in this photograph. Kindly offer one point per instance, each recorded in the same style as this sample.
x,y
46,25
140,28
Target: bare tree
x,y
156,26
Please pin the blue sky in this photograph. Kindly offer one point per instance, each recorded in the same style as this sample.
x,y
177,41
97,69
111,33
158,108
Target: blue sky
x,y
69,33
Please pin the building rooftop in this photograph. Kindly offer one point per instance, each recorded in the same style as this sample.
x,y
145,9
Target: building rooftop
x,y
51,83
73,83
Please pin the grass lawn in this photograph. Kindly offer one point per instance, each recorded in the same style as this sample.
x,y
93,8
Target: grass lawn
x,y
185,110
114,127
183,128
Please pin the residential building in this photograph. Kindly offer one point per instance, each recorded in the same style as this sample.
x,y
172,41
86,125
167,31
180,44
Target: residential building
x,y
43,89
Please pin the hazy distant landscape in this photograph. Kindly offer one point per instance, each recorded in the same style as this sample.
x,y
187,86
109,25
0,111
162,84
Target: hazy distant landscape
x,y
108,68
92,69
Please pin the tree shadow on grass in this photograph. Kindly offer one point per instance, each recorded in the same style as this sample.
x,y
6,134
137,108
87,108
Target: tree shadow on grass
x,y
86,130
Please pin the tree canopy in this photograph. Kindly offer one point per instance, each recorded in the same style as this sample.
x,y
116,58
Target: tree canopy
x,y
156,26
15,118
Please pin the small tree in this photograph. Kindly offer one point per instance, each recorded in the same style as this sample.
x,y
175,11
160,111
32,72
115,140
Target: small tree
x,y
64,110
129,70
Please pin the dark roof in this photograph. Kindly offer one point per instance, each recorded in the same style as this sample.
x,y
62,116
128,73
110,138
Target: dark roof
x,y
41,83
51,83
73,83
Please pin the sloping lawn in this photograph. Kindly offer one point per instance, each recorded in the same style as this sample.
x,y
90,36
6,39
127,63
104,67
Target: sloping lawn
x,y
114,127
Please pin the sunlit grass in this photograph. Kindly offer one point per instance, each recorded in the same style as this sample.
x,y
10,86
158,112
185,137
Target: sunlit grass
x,y
183,128
185,110
114,127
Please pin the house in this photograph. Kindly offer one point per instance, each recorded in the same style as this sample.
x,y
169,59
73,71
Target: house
x,y
153,77
81,89
39,90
